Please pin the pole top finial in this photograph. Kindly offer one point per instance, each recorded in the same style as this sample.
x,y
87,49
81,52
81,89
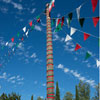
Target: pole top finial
x,y
47,4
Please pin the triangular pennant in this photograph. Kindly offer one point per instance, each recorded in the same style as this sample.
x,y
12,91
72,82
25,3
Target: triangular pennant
x,y
22,38
87,55
51,5
77,47
32,27
98,63
78,11
57,22
86,36
95,21
52,22
30,23
94,4
81,20
27,33
70,15
12,39
18,34
24,29
62,21
6,43
58,28
38,20
68,38
73,30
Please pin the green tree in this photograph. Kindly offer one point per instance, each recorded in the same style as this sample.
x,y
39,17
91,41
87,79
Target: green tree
x,y
68,96
39,98
32,97
3,97
77,94
84,91
96,97
57,97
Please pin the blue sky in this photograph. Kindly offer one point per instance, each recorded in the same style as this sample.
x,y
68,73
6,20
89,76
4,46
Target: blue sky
x,y
25,71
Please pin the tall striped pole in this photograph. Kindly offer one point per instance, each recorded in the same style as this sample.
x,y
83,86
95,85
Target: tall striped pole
x,y
50,72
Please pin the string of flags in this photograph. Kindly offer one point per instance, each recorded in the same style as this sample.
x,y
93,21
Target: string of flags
x,y
17,41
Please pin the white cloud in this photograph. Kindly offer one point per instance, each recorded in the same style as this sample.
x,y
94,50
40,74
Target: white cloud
x,y
77,75
4,76
16,5
35,82
66,70
60,66
33,55
33,10
44,84
38,28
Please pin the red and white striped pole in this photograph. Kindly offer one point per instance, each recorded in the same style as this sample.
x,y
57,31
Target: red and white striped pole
x,y
50,69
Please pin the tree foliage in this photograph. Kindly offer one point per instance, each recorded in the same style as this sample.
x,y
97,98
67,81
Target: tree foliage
x,y
57,97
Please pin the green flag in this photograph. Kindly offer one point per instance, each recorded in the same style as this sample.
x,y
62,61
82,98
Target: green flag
x,y
81,20
32,27
70,15
87,55
17,44
37,17
52,22
18,34
58,28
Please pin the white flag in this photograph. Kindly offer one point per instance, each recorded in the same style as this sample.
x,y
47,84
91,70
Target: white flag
x,y
6,43
73,30
27,33
13,49
98,63
24,29
68,38
78,11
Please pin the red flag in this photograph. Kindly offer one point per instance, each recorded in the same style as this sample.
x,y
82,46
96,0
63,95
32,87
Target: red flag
x,y
95,21
22,39
58,21
62,21
30,23
77,47
38,20
86,36
12,39
94,4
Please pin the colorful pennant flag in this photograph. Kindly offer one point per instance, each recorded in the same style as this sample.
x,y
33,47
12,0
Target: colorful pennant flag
x,y
73,30
52,22
22,38
12,39
30,23
38,19
94,4
32,27
24,29
81,20
58,28
70,15
98,63
68,38
57,22
86,36
18,34
27,33
95,21
51,5
62,21
77,47
78,11
6,43
87,55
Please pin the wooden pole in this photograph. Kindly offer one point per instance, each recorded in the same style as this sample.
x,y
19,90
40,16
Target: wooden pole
x,y
50,72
